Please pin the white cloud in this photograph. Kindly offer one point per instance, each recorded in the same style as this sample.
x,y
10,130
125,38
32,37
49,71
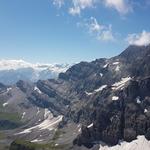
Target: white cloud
x,y
58,3
106,35
74,11
139,39
94,26
76,6
79,5
100,31
120,5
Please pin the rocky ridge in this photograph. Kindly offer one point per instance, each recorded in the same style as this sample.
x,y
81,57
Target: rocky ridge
x,y
105,100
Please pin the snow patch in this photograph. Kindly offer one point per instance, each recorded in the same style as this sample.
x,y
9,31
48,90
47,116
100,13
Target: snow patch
x,y
49,123
47,114
105,66
5,104
23,115
101,74
9,89
116,63
36,141
121,83
115,98
38,111
141,143
117,68
88,93
56,144
138,101
89,126
96,90
37,89
145,110
79,130
101,88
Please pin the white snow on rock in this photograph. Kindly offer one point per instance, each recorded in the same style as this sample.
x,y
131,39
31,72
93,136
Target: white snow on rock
x,y
117,68
38,111
138,101
49,123
141,143
5,104
105,66
9,89
145,110
36,141
89,126
116,63
56,144
47,114
101,88
23,115
115,98
88,93
37,89
96,90
121,83
101,74
79,130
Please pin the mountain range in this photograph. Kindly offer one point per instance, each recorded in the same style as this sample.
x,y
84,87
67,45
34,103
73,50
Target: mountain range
x,y
98,105
13,70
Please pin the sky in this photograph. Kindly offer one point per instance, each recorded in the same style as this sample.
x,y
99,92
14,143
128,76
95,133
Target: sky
x,y
70,31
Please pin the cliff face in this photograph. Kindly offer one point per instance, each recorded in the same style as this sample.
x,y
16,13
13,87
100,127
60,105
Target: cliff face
x,y
125,118
108,98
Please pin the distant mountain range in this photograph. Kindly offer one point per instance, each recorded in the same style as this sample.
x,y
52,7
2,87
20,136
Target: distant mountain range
x,y
12,71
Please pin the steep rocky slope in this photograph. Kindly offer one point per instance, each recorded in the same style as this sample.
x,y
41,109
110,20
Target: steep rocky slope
x,y
106,100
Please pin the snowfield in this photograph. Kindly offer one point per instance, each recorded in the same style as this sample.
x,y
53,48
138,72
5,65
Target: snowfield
x,y
96,90
49,123
121,83
101,88
141,143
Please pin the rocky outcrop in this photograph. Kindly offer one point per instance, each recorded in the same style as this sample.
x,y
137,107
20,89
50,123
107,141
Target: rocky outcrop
x,y
123,119
110,98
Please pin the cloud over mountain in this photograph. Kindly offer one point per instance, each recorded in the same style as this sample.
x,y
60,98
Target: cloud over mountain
x,y
139,39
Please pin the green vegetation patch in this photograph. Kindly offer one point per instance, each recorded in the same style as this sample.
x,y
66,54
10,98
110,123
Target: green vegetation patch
x,y
10,116
20,144
9,120
2,136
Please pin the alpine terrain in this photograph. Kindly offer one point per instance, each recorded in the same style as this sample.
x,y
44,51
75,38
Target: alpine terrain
x,y
98,105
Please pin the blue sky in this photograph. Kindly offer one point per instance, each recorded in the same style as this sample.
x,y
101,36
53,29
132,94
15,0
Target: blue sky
x,y
70,31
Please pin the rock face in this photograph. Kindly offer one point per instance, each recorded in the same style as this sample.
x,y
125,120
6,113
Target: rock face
x,y
109,98
129,115
125,118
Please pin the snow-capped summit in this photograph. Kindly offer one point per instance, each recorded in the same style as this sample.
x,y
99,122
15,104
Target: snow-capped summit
x,y
13,70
